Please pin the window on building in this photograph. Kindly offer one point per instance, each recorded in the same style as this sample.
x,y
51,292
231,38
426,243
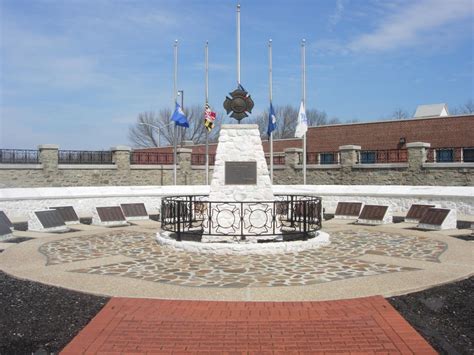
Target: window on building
x,y
444,155
327,158
468,155
367,157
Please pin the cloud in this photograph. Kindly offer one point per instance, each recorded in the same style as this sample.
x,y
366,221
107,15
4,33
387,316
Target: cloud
x,y
337,15
411,23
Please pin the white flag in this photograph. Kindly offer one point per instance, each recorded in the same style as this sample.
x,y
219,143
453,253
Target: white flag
x,y
302,125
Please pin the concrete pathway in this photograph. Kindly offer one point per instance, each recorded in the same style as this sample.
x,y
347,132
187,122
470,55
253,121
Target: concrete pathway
x,y
146,326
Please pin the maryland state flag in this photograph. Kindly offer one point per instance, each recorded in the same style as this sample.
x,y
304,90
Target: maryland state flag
x,y
209,118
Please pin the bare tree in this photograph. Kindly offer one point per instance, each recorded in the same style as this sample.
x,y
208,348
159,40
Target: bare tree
x,y
146,135
467,108
400,114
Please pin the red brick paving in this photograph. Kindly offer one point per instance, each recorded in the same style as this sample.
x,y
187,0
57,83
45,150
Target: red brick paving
x,y
146,326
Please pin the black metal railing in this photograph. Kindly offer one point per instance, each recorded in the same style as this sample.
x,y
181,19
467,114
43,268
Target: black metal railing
x,y
386,156
19,156
450,155
151,158
288,216
277,159
84,157
200,159
317,158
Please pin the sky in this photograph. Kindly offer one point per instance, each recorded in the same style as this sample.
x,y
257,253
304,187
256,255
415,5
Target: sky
x,y
77,73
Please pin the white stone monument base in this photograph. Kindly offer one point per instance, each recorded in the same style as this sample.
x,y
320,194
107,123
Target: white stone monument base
x,y
137,218
321,239
448,223
340,216
34,225
6,237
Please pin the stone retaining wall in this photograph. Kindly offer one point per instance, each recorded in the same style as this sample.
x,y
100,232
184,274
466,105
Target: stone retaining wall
x,y
347,172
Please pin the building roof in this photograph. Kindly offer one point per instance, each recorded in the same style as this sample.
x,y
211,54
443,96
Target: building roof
x,y
433,110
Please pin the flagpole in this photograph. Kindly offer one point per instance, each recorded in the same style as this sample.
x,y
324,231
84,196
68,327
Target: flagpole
x,y
206,56
175,92
270,87
303,58
238,44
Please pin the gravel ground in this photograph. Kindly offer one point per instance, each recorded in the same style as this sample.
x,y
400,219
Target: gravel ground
x,y
443,315
36,317
43,319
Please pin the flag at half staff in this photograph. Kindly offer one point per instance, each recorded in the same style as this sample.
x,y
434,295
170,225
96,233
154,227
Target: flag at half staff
x,y
271,120
179,117
302,125
209,117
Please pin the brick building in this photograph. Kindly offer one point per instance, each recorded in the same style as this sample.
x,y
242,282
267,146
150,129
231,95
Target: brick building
x,y
451,138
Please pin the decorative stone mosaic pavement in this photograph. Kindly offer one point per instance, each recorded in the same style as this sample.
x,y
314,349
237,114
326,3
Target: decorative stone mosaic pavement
x,y
151,262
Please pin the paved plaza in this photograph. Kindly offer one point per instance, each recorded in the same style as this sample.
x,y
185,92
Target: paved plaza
x,y
128,262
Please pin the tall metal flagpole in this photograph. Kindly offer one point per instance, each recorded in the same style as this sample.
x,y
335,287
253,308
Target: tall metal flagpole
x,y
175,92
303,59
238,44
206,56
270,88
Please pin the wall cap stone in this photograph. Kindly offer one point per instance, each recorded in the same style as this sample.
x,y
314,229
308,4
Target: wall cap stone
x,y
380,166
418,145
350,147
118,148
448,165
21,166
293,150
48,146
87,166
319,166
184,150
152,167
239,126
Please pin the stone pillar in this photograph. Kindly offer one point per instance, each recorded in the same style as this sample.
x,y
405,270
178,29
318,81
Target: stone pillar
x,y
184,165
292,157
48,156
417,154
349,156
121,157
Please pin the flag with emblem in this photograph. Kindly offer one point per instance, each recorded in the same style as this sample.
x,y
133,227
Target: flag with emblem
x,y
209,117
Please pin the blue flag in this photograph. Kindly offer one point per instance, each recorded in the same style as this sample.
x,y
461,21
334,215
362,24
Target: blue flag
x,y
271,120
179,117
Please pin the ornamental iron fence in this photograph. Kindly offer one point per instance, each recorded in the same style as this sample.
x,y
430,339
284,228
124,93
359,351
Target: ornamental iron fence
x,y
450,155
318,158
19,156
84,157
151,158
277,159
387,156
291,216
200,159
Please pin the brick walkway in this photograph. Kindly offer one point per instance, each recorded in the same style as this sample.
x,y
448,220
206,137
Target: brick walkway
x,y
364,325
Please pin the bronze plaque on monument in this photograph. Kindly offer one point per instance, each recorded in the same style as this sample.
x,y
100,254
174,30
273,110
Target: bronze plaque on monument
x,y
240,172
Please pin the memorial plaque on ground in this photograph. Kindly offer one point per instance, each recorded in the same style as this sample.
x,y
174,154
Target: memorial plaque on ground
x,y
417,211
134,210
50,219
110,214
5,220
4,229
240,172
373,212
348,209
434,216
67,213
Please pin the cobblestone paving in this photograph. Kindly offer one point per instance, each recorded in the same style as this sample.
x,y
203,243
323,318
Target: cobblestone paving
x,y
151,262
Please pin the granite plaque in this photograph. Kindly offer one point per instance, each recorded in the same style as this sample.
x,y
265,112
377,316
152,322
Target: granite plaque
x,y
4,229
416,212
348,209
5,220
134,210
50,218
373,212
240,172
67,213
110,214
434,216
